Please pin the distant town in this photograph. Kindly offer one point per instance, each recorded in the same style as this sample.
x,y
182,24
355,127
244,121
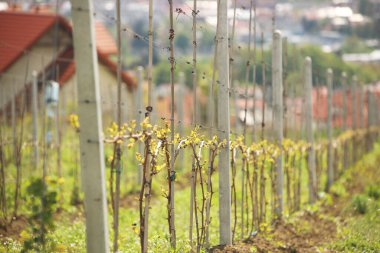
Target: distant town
x,y
349,28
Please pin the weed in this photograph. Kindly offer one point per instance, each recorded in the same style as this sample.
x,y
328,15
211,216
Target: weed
x,y
43,200
373,191
338,190
360,204
75,196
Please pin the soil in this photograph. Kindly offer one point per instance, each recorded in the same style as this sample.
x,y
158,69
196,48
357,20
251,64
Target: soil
x,y
130,201
14,228
308,232
304,232
17,225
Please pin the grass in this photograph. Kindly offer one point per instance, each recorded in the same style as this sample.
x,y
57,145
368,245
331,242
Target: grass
x,y
70,227
69,235
362,233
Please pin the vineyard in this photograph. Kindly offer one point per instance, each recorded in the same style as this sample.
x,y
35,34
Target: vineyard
x,y
223,157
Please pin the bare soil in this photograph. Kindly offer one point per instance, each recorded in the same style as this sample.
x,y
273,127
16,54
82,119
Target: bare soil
x,y
309,232
14,228
306,234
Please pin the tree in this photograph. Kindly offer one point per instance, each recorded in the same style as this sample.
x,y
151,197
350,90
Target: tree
x,y
182,42
138,43
366,8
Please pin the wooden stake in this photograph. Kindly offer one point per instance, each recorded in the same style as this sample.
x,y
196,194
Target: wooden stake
x,y
91,143
58,129
247,70
361,118
140,115
224,128
344,93
211,100
330,156
369,135
118,145
58,139
211,122
372,110
361,106
35,117
309,130
254,75
194,123
278,117
194,67
344,118
172,103
262,215
234,95
377,111
13,122
179,107
150,56
354,103
285,93
2,101
263,73
3,194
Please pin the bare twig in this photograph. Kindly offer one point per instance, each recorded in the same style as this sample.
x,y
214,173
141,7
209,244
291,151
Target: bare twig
x,y
171,176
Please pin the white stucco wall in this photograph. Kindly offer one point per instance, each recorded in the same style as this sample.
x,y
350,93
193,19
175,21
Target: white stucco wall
x,y
108,94
20,73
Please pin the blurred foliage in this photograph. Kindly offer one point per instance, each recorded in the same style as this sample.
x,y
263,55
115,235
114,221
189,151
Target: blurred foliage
x,y
360,204
321,62
183,42
43,196
363,231
204,73
293,72
355,45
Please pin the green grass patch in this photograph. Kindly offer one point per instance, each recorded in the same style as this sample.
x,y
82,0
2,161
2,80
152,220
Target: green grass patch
x,y
361,233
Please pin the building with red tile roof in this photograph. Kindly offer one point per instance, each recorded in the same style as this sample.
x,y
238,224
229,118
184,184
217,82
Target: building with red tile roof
x,y
42,42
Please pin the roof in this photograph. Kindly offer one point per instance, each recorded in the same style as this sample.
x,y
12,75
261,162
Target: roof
x,y
105,47
19,31
104,41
